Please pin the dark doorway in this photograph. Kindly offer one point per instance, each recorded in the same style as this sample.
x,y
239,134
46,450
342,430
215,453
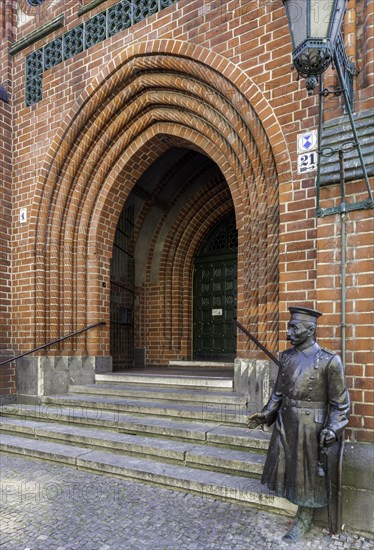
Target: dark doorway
x,y
215,293
153,261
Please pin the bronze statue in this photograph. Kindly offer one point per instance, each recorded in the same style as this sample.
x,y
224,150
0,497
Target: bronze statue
x,y
310,408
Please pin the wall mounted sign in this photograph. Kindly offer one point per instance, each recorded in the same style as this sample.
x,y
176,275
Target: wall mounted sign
x,y
23,215
307,152
307,142
307,162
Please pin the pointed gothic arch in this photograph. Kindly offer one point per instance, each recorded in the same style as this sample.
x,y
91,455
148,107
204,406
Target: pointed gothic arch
x,y
152,96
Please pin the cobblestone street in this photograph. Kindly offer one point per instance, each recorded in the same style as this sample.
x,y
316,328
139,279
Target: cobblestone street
x,y
50,507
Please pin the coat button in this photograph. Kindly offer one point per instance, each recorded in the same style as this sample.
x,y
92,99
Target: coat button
x,y
312,377
309,399
307,412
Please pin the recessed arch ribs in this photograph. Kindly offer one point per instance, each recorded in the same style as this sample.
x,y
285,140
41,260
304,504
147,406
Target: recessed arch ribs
x,y
137,109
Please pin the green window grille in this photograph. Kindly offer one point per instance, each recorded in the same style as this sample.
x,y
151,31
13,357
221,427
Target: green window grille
x,y
35,3
105,24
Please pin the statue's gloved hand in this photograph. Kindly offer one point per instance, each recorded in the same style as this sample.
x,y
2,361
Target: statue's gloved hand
x,y
326,438
256,419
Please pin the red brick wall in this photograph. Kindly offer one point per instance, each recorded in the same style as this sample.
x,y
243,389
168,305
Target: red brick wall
x,y
7,375
231,95
359,306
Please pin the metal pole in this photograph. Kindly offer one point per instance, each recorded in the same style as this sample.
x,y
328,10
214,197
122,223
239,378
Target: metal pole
x,y
343,239
320,123
339,496
343,243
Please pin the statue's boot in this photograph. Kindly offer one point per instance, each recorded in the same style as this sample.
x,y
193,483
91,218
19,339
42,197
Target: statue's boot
x,y
302,525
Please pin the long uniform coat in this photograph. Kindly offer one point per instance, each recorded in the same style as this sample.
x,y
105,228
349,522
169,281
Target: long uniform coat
x,y
310,394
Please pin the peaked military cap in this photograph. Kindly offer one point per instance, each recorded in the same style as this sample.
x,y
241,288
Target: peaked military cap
x,y
304,314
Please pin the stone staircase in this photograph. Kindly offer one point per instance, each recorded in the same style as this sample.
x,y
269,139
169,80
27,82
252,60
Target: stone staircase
x,y
184,432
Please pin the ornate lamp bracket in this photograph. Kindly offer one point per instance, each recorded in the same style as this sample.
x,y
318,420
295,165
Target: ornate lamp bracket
x,y
345,71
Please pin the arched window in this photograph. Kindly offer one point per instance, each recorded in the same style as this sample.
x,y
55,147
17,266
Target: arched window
x,y
35,3
223,237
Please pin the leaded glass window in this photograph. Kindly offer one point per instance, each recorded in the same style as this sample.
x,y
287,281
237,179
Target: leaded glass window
x,y
34,90
119,17
73,42
34,64
34,79
35,3
143,9
224,236
53,53
105,24
95,30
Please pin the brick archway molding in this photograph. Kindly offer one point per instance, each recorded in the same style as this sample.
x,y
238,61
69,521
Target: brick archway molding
x,y
151,95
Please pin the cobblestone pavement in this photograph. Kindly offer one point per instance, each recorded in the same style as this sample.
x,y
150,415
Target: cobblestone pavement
x,y
50,507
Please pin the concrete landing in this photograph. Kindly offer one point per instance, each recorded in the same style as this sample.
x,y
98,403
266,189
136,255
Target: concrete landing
x,y
176,379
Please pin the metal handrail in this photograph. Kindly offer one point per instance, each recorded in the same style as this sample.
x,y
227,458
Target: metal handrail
x,y
53,342
251,337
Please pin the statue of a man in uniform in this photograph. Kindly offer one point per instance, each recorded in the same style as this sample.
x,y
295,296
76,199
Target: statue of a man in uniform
x,y
310,408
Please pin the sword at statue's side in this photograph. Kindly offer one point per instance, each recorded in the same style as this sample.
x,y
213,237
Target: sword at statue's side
x,y
258,344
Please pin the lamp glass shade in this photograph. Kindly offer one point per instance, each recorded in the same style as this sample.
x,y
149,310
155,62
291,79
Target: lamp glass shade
x,y
320,15
314,26
297,21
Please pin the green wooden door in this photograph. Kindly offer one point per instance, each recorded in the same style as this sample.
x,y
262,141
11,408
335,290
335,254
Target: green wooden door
x,y
215,294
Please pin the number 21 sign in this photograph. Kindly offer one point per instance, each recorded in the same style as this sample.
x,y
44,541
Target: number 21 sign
x,y
307,162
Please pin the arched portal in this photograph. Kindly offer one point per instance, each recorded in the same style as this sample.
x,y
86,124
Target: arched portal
x,y
164,220
153,97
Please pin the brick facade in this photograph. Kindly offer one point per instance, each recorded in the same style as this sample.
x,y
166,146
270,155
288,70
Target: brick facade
x,y
7,373
212,77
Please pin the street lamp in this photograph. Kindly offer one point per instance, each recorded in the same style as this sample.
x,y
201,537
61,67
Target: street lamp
x,y
316,40
314,27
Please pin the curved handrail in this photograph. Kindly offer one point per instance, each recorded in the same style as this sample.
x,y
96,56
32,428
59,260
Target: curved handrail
x,y
53,342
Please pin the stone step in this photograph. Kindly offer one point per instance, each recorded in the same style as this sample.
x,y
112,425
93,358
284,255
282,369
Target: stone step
x,y
184,453
166,380
205,483
230,414
201,364
198,432
166,395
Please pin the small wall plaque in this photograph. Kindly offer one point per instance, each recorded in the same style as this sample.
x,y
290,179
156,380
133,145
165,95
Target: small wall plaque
x,y
23,215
